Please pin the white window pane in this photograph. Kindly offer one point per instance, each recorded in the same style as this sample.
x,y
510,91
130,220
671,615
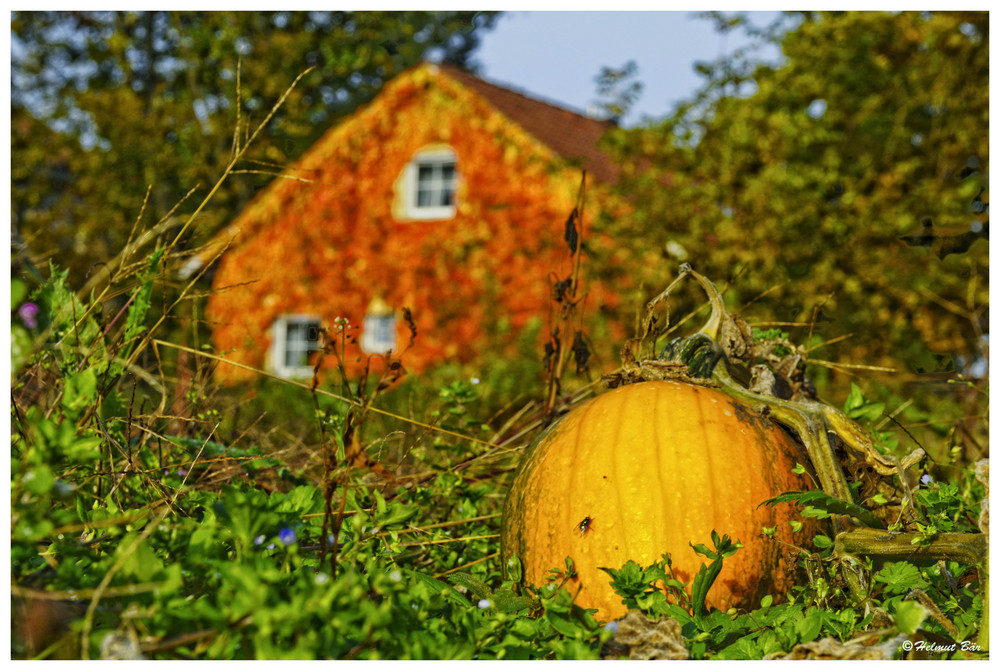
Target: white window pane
x,y
301,338
435,183
378,335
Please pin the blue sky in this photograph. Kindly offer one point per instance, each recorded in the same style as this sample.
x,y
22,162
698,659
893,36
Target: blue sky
x,y
556,55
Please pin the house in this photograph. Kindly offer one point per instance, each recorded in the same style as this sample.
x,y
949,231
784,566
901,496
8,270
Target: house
x,y
447,195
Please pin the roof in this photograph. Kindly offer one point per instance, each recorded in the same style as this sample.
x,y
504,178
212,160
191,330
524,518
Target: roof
x,y
571,135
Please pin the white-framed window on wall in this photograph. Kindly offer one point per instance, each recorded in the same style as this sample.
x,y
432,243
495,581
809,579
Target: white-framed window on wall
x,y
428,185
293,339
378,332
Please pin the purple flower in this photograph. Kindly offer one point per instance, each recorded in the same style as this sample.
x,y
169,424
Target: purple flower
x,y
259,540
27,314
286,536
926,479
484,603
612,627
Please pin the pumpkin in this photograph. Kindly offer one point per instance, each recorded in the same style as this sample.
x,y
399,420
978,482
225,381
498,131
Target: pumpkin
x,y
649,468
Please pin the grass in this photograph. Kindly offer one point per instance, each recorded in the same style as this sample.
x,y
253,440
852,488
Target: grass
x,y
155,514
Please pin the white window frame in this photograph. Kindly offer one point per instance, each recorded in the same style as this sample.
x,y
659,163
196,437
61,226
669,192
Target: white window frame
x,y
279,350
378,335
434,157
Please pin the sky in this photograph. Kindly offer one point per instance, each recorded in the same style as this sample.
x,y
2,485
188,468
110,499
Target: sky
x,y
556,55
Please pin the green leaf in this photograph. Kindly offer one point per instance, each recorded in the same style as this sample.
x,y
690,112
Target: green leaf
x,y
397,513
38,480
819,504
508,602
808,627
512,568
20,346
854,399
134,322
302,500
18,290
438,587
702,583
205,542
822,541
703,550
743,648
562,623
856,407
908,616
82,450
142,564
900,578
80,391
380,505
472,583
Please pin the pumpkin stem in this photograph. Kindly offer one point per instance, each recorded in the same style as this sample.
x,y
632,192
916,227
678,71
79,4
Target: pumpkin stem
x,y
700,352
713,327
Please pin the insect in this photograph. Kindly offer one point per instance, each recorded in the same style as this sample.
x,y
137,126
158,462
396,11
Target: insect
x,y
585,524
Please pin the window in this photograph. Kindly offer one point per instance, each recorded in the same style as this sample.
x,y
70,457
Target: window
x,y
426,189
293,339
378,333
435,184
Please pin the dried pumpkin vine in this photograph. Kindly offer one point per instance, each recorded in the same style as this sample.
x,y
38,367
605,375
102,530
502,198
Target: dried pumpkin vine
x,y
768,377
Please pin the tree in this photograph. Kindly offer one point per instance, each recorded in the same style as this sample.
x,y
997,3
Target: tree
x,y
845,187
107,104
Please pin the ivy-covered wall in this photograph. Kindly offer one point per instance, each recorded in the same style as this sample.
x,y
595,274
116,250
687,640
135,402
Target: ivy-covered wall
x,y
325,242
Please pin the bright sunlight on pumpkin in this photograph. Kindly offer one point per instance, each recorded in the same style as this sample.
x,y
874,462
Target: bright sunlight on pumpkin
x,y
649,468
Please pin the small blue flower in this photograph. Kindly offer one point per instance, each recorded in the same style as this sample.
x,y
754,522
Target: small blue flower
x,y
484,603
612,627
286,536
926,479
27,313
259,540
475,380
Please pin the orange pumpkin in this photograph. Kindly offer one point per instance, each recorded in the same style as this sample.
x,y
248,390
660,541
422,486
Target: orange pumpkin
x,y
649,468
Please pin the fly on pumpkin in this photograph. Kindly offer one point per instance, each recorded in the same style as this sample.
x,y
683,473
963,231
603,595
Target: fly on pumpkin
x,y
585,525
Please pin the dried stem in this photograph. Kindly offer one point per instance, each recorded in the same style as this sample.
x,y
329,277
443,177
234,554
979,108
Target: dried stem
x,y
569,299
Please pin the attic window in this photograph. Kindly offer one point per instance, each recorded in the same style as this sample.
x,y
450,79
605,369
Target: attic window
x,y
293,339
428,183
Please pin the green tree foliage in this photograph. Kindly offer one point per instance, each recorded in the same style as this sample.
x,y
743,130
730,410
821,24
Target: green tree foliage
x,y
107,104
850,180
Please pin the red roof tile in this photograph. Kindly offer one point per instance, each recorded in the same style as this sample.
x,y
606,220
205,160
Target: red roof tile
x,y
571,135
